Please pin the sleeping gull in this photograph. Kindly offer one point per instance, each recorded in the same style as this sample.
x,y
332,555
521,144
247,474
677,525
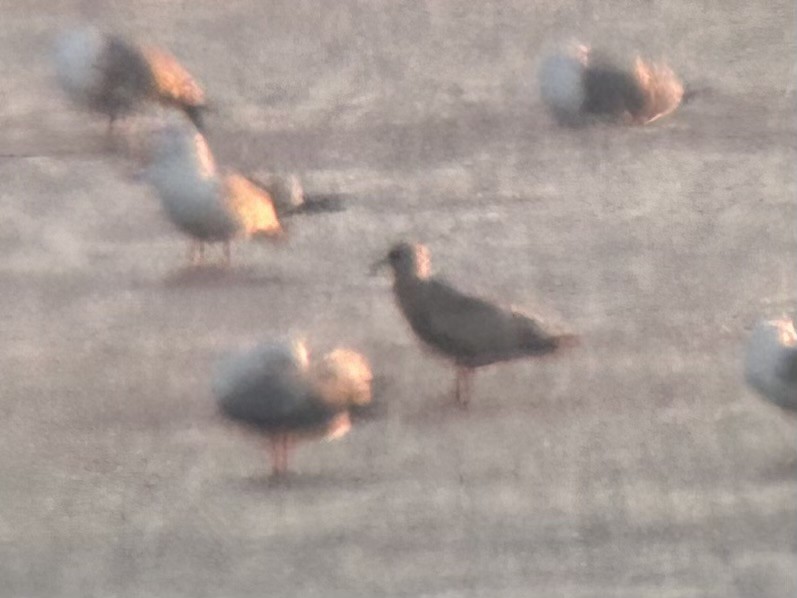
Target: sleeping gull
x,y
113,76
577,84
277,390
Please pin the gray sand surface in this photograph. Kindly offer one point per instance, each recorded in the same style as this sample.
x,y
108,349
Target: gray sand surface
x,y
638,466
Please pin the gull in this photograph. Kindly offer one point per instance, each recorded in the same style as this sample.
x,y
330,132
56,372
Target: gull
x,y
114,76
577,84
468,330
212,205
204,203
278,391
290,198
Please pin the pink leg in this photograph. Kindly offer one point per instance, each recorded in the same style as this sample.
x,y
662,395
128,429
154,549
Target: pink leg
x,y
196,253
227,253
279,447
274,454
462,386
286,446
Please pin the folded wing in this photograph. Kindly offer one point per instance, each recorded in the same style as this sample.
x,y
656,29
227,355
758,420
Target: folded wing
x,y
475,331
268,388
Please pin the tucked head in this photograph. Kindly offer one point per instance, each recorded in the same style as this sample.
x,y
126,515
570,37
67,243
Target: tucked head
x,y
579,51
662,88
343,378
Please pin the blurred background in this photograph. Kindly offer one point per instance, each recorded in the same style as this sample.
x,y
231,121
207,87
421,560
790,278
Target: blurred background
x,y
639,465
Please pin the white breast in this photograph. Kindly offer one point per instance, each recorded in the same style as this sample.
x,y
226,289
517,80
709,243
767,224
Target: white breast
x,y
190,189
770,364
561,83
78,54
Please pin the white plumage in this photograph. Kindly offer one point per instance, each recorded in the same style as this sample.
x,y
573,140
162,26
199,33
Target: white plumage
x,y
186,178
561,84
111,75
78,63
208,206
578,84
771,362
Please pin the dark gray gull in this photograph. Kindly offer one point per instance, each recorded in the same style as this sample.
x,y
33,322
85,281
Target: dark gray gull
x,y
114,76
277,390
771,362
468,330
578,85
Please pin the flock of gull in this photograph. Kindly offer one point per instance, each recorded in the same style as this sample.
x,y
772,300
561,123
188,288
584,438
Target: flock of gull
x,y
277,388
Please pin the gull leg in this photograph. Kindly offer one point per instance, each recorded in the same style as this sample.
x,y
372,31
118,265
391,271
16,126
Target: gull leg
x,y
462,386
286,446
279,445
275,446
196,253
227,253
112,142
468,386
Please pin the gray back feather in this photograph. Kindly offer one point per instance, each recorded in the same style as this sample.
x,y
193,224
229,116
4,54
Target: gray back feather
x,y
469,329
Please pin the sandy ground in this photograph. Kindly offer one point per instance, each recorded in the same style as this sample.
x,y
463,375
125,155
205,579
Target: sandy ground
x,y
637,466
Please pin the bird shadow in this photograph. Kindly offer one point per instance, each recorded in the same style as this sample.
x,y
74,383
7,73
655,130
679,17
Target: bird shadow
x,y
440,409
778,471
297,481
210,276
